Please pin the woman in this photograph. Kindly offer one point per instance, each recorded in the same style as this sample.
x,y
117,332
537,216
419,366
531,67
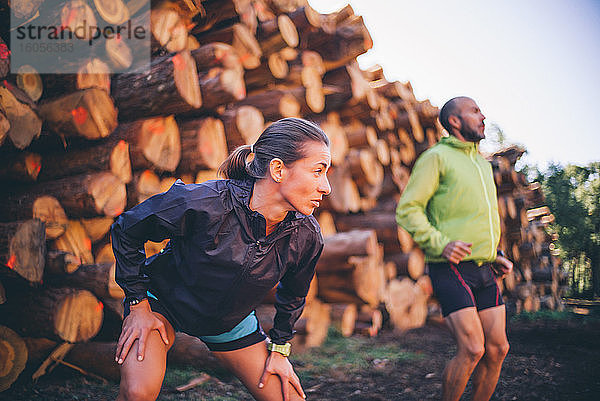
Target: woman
x,y
231,241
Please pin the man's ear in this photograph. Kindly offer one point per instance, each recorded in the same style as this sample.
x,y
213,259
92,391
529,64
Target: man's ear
x,y
276,169
454,122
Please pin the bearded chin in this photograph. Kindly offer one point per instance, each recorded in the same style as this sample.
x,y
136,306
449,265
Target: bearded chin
x,y
471,135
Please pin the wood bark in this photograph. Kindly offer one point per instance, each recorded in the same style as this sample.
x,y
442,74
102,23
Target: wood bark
x,y
94,73
21,115
274,104
62,314
218,13
238,36
277,34
350,39
344,196
384,223
99,279
23,248
410,264
339,247
144,185
89,113
203,145
86,195
76,242
20,167
242,124
170,86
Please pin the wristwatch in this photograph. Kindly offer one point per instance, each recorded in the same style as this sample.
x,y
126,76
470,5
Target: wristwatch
x,y
132,301
283,349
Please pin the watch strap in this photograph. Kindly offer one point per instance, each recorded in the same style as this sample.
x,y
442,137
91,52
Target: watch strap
x,y
283,349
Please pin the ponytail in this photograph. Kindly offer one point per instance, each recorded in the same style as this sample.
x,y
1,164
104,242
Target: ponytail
x,y
234,166
284,139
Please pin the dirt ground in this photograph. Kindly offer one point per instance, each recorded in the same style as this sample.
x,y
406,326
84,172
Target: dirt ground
x,y
549,360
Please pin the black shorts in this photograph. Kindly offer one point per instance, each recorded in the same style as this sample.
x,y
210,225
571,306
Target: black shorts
x,y
248,332
464,285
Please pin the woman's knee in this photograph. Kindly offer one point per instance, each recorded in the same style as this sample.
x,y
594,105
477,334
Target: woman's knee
x,y
138,391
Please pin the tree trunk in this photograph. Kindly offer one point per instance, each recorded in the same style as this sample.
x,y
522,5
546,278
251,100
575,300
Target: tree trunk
x,y
111,154
93,74
339,247
89,113
62,314
243,125
25,125
86,195
277,34
384,223
20,167
49,210
96,278
238,36
203,145
169,87
274,104
76,242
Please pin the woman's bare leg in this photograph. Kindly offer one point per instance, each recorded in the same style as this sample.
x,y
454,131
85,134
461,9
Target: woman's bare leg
x,y
248,365
142,380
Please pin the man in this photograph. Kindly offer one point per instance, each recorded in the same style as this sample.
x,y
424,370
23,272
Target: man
x,y
450,208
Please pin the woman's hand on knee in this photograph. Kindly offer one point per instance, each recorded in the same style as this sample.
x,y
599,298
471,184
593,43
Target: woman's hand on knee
x,y
279,365
137,326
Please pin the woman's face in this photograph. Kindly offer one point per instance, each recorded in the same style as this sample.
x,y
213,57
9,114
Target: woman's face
x,y
304,183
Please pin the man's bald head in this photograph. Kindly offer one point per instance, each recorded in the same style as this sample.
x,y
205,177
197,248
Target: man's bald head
x,y
452,107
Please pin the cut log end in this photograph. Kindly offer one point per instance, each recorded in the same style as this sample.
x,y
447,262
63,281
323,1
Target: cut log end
x,y
79,316
161,143
249,122
48,209
13,357
109,194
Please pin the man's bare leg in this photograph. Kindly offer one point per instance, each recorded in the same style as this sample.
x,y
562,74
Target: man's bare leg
x,y
487,372
468,333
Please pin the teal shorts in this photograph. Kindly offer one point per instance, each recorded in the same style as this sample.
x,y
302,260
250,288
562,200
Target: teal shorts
x,y
247,332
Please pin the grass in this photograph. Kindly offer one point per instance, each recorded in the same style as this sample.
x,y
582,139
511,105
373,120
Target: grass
x,y
349,355
565,315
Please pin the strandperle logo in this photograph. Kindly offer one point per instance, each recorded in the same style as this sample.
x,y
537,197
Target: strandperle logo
x,y
64,35
83,31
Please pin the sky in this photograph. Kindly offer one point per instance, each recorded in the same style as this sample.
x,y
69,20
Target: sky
x,y
533,66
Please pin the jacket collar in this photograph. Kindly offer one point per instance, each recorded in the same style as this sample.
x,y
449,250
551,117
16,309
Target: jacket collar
x,y
454,142
243,193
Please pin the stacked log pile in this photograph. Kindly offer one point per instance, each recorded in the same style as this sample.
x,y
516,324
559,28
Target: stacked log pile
x,y
538,280
77,150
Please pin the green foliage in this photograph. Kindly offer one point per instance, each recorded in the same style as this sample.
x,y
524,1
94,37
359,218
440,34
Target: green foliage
x,y
543,314
554,315
573,195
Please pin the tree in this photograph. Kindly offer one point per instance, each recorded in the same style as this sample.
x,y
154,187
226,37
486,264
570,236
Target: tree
x,y
573,195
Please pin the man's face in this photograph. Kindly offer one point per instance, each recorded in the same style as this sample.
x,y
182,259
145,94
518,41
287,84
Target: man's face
x,y
472,121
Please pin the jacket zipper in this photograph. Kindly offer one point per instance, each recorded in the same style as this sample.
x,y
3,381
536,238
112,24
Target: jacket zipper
x,y
487,199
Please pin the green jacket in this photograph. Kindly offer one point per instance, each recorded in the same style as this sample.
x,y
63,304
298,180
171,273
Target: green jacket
x,y
451,196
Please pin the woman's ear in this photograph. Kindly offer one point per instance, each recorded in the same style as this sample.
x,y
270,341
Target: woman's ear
x,y
276,169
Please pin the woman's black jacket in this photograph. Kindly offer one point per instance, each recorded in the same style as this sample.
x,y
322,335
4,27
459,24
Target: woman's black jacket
x,y
219,264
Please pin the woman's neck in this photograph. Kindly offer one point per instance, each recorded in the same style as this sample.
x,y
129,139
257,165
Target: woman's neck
x,y
267,200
